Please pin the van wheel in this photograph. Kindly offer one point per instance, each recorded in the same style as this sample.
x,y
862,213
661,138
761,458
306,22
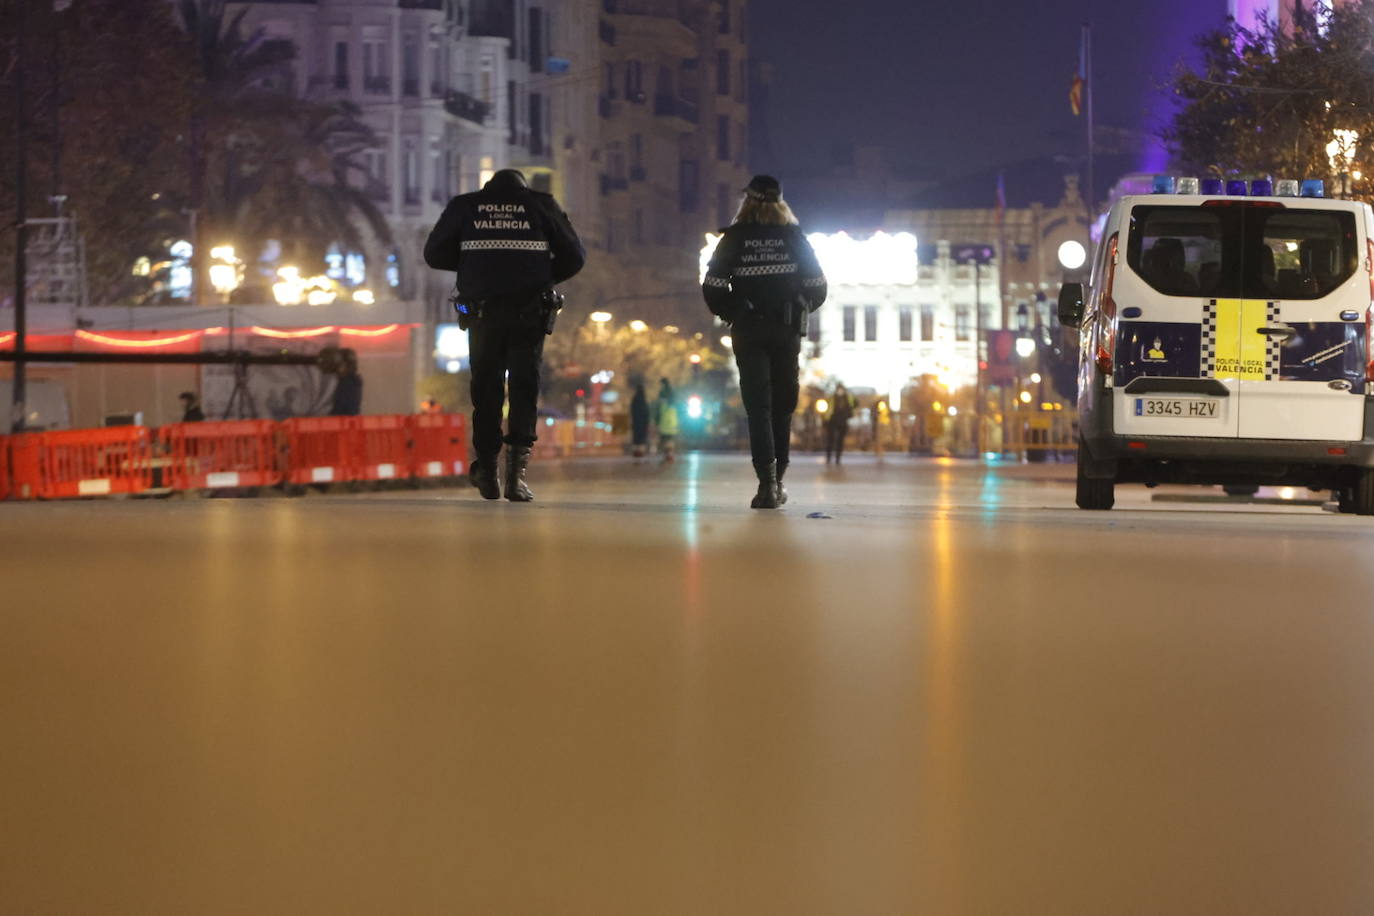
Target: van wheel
x,y
1094,494
1363,502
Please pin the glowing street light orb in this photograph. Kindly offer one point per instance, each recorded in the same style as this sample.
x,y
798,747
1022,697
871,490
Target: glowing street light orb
x,y
638,326
671,328
1025,397
600,317
289,288
695,359
694,409
1035,378
1025,347
954,411
822,405
224,278
727,341
364,296
1072,255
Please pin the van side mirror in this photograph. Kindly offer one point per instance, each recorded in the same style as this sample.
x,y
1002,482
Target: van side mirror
x,y
1071,305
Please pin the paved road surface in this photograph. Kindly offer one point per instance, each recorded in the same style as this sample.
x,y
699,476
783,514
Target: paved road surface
x,y
956,694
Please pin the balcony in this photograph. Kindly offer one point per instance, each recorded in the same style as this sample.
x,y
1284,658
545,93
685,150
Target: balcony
x,y
637,173
377,85
410,87
681,10
462,105
670,106
607,106
422,5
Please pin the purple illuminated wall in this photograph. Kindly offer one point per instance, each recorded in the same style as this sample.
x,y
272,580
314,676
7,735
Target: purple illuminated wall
x,y
1248,12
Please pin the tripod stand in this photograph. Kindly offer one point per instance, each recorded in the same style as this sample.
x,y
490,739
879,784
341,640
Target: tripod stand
x,y
241,397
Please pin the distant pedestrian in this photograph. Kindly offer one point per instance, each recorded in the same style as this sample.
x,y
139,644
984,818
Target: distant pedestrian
x,y
639,422
191,411
837,423
764,281
667,420
348,390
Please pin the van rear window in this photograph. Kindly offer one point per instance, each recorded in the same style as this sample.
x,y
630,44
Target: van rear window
x,y
1242,252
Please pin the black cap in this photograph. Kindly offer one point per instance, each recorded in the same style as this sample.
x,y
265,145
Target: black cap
x,y
765,188
187,395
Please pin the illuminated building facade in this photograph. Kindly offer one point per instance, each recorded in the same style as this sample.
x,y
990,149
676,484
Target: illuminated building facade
x,y
1250,13
893,316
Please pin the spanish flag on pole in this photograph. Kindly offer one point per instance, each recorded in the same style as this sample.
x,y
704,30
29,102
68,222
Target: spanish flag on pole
x,y
1080,78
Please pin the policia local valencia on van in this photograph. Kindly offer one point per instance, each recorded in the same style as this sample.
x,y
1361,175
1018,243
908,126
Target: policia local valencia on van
x,y
509,245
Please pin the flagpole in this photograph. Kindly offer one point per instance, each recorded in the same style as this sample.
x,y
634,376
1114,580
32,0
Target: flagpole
x,y
1091,196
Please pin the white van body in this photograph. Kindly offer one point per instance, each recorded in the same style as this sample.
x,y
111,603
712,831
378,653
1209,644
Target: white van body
x,y
1225,340
46,405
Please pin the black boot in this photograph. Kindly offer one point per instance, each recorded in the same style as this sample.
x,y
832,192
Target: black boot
x,y
484,475
517,460
782,493
767,496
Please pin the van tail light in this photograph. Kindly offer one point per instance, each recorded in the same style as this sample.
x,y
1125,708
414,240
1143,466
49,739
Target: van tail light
x,y
1107,309
1369,344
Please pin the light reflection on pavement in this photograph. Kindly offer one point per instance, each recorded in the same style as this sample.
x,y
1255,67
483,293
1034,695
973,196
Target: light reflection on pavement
x,y
953,694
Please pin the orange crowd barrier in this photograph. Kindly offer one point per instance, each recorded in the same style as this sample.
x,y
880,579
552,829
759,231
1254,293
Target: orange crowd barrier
x,y
82,462
380,447
211,456
255,453
439,445
318,449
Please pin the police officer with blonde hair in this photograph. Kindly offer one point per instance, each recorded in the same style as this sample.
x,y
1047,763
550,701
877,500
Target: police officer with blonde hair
x,y
764,281
509,245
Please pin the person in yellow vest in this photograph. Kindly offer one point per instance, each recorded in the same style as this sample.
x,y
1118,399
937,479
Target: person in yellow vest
x,y
667,421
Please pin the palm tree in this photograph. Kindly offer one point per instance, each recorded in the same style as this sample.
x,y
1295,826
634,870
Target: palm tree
x,y
281,164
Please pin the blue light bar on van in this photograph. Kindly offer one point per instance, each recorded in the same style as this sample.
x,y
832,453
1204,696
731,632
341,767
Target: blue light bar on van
x,y
1313,187
1262,187
1187,186
1285,187
1164,184
1213,186
1237,187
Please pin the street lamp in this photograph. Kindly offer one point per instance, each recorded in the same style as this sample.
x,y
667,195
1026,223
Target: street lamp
x,y
600,317
638,326
1072,255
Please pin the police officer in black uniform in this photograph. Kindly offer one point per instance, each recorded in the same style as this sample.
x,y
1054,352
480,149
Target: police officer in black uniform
x,y
510,245
764,280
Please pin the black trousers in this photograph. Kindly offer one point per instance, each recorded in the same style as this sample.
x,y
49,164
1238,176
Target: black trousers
x,y
766,353
834,439
499,343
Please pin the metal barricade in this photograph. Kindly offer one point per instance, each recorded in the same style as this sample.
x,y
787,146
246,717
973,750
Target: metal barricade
x,y
211,456
439,445
83,462
379,448
319,449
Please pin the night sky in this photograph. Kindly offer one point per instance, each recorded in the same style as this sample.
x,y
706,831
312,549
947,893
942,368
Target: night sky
x,y
957,87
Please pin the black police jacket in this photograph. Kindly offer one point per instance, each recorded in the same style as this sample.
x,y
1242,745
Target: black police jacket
x,y
505,240
767,271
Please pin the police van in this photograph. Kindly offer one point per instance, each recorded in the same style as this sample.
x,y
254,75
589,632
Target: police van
x,y
1225,338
